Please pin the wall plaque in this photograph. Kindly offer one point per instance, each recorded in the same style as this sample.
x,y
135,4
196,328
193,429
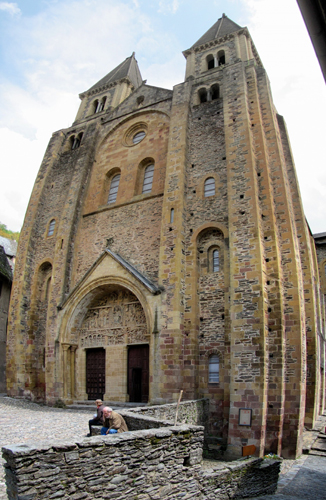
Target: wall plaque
x,y
245,416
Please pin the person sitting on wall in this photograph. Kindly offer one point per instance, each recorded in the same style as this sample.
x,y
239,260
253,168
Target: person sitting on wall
x,y
113,422
98,418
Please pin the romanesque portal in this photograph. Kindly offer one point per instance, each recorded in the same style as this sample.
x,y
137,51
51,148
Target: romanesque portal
x,y
112,347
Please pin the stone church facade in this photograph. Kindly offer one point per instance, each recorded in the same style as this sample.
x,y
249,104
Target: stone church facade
x,y
165,248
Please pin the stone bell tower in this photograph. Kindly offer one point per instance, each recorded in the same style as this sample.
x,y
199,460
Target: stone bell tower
x,y
165,248
232,185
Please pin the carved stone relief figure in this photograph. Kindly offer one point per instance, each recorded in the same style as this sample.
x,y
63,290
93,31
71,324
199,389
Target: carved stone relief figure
x,y
117,318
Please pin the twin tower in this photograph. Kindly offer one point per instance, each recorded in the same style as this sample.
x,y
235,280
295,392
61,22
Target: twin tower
x,y
165,247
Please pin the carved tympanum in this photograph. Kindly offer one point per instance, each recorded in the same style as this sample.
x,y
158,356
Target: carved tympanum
x,y
117,318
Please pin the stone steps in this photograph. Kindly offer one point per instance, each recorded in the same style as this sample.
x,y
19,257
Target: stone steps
x,y
91,405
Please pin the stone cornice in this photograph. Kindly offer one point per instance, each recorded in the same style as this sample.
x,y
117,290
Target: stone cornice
x,y
212,43
220,40
105,87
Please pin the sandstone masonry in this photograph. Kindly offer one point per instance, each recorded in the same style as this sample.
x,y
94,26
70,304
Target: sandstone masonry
x,y
165,248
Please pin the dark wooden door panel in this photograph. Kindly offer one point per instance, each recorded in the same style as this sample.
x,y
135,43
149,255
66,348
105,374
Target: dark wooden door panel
x,y
138,373
95,373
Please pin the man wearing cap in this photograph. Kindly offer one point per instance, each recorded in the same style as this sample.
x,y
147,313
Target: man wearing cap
x,y
98,418
113,422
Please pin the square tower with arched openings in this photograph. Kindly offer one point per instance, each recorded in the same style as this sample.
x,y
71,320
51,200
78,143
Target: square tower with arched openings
x,y
165,248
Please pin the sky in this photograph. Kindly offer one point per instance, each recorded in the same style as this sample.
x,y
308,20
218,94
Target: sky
x,y
53,50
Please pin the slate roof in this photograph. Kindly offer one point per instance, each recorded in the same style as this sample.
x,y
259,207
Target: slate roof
x,y
222,27
320,238
9,246
127,69
5,269
155,290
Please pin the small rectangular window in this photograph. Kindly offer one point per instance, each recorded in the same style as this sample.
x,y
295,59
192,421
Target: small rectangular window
x,y
214,369
216,261
209,188
148,179
51,227
114,189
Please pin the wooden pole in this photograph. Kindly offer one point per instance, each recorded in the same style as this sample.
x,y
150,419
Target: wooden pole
x,y
176,414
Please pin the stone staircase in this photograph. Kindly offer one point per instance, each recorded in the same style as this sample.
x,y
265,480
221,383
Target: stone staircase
x,y
315,439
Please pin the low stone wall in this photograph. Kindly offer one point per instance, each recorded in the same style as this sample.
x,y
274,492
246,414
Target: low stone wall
x,y
153,417
136,422
193,412
142,465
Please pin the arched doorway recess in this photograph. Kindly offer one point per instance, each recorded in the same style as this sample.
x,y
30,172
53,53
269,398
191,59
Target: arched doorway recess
x,y
109,321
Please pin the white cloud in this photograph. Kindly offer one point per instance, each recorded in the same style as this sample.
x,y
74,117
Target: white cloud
x,y
284,46
20,161
168,6
11,8
168,74
65,49
60,53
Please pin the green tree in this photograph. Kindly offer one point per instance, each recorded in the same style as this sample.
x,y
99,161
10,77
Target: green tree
x,y
6,233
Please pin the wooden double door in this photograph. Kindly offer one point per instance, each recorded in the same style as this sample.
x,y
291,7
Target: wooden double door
x,y
137,373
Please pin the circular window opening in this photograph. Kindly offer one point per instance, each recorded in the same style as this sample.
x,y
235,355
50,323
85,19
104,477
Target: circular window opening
x,y
138,137
135,134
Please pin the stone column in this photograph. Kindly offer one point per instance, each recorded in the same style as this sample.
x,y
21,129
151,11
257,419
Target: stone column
x,y
65,348
72,370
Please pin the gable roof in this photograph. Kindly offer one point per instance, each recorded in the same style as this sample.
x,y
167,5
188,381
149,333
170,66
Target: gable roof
x,y
154,289
127,69
222,27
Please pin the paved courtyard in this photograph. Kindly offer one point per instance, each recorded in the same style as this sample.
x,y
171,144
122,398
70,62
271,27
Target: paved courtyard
x,y
22,421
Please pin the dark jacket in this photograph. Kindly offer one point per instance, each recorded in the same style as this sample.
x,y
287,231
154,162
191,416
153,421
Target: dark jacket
x,y
99,417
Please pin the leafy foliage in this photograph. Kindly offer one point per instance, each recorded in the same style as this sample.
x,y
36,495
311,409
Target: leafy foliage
x,y
6,233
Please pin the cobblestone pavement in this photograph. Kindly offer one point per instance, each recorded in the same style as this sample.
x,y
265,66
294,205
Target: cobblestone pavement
x,y
22,421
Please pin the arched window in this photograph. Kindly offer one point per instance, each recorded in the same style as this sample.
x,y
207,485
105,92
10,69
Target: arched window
x,y
95,106
51,227
216,261
210,61
221,57
114,189
202,95
101,105
47,288
77,141
209,188
172,216
213,369
148,179
140,100
215,92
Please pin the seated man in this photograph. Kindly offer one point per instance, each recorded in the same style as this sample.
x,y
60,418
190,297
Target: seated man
x,y
98,419
113,422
